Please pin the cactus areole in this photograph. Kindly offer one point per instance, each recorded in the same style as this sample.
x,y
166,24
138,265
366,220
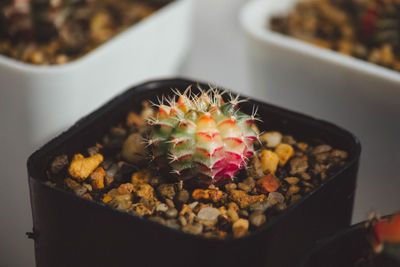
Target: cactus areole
x,y
202,137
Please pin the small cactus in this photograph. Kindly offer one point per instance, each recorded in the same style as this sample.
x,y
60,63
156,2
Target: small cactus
x,y
386,236
201,136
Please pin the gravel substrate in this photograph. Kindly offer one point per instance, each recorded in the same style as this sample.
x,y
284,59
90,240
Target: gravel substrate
x,y
366,29
77,30
117,172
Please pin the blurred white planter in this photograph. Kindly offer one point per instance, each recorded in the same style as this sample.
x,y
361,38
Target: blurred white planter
x,y
360,96
57,95
37,102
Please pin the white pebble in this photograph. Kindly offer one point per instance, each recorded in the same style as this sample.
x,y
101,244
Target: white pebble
x,y
271,139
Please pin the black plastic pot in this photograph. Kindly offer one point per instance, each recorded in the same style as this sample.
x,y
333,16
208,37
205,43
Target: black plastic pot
x,y
72,231
348,248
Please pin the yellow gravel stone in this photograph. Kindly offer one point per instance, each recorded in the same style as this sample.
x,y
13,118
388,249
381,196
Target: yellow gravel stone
x,y
240,227
107,198
284,152
82,167
233,215
144,190
269,161
141,177
292,180
97,178
294,189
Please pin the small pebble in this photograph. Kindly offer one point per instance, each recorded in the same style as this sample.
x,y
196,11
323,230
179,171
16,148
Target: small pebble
x,y
284,152
288,139
292,180
208,214
182,220
194,229
166,190
243,213
134,149
171,213
339,153
182,197
257,218
233,206
80,190
162,207
157,219
240,228
230,186
59,163
302,146
262,206
321,149
247,185
269,161
275,198
173,223
93,150
193,205
170,203
271,139
298,165
294,189
233,215
322,157
112,170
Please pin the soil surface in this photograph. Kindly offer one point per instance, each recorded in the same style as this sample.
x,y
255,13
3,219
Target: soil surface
x,y
117,172
70,32
368,30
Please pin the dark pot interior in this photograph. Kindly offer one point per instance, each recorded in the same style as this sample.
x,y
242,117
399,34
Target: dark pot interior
x,y
72,231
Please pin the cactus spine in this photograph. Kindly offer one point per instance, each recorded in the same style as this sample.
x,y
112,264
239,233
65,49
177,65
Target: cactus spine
x,y
202,137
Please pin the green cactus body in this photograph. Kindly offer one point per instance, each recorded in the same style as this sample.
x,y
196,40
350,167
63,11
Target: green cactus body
x,y
201,136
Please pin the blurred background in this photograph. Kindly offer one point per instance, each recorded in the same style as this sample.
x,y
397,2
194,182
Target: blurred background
x,y
217,54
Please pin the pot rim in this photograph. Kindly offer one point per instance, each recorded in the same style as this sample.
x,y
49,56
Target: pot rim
x,y
254,16
154,84
99,51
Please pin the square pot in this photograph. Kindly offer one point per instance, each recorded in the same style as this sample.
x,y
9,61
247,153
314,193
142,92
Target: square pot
x,y
153,46
363,97
73,231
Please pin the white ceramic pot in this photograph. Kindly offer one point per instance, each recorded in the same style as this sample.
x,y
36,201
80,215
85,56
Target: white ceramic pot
x,y
37,102
355,94
58,95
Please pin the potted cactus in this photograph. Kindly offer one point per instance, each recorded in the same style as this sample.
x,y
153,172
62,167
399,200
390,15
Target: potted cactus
x,y
191,176
375,242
